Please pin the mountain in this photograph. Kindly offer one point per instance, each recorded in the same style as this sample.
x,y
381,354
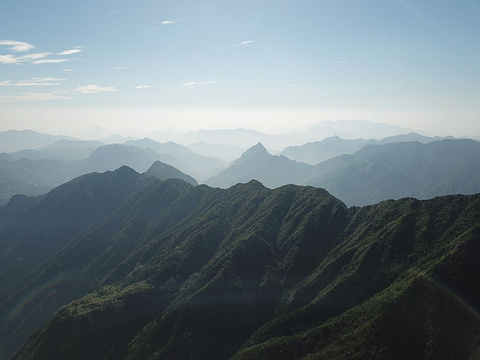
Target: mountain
x,y
163,171
256,163
396,170
66,211
318,151
236,137
226,153
245,138
186,272
68,150
35,177
16,207
183,158
32,177
370,175
354,129
14,140
413,136
110,157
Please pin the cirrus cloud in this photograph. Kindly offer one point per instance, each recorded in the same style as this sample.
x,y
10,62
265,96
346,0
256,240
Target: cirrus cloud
x,y
45,81
17,46
191,84
28,97
49,61
8,59
244,43
75,50
94,89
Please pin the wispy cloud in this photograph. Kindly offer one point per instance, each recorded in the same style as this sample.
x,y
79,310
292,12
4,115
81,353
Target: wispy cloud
x,y
168,22
28,97
68,70
94,89
17,46
45,81
33,56
8,59
190,85
119,67
244,43
49,61
69,52
142,86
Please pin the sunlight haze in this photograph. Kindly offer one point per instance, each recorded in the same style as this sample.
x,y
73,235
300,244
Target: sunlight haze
x,y
146,66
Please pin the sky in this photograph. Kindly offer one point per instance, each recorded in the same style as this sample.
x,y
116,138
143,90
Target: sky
x,y
155,65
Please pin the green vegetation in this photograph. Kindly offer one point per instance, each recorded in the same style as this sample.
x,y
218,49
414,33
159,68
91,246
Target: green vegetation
x,y
192,272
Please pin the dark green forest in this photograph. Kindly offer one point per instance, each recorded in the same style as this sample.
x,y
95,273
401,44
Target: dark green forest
x,y
122,265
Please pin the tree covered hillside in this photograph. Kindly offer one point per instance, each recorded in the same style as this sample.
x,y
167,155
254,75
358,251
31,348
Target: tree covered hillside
x,y
193,272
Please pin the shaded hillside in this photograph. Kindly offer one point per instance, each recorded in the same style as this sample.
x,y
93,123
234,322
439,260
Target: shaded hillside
x,y
50,224
398,170
163,171
252,273
184,229
256,163
16,207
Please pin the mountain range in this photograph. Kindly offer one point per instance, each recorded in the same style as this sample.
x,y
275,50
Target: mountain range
x,y
35,172
370,175
256,163
121,265
415,167
315,152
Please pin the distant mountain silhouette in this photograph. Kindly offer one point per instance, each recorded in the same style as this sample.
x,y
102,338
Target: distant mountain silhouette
x,y
396,170
68,150
226,153
111,157
35,177
318,151
256,163
183,158
372,174
15,140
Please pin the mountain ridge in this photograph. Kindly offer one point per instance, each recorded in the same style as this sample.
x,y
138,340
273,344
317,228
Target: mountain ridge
x,y
248,272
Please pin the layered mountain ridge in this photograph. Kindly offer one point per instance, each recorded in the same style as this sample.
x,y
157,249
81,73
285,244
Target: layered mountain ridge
x,y
372,174
170,270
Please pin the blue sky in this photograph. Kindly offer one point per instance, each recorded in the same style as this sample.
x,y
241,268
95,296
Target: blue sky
x,y
142,66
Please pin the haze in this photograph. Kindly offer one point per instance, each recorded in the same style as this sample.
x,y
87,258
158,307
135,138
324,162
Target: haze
x,y
144,66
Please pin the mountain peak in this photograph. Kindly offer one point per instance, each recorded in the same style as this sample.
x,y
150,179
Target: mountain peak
x,y
164,171
256,150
